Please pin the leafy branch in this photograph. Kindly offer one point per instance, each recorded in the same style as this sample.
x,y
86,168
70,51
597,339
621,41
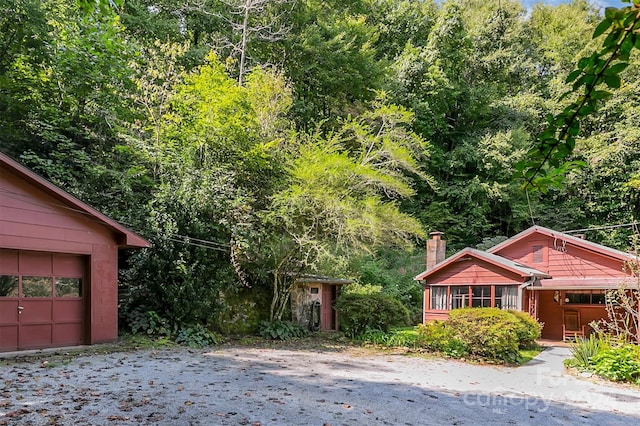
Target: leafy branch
x,y
546,163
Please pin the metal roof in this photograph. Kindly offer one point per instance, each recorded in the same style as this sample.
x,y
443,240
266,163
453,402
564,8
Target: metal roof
x,y
580,242
311,278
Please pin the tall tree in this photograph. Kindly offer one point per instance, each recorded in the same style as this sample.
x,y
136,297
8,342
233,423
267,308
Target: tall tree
x,y
341,197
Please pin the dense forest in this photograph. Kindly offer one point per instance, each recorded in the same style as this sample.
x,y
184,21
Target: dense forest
x,y
253,140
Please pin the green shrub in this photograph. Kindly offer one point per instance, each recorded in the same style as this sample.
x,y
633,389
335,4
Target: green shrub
x,y
360,312
487,332
403,338
621,363
584,350
196,336
374,336
529,329
280,330
392,339
438,336
149,322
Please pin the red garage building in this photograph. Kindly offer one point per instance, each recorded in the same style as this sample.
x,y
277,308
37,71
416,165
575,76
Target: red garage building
x,y
58,265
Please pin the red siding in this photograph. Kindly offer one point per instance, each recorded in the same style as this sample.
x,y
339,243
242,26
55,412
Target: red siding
x,y
550,313
104,293
430,315
563,260
37,223
473,271
30,219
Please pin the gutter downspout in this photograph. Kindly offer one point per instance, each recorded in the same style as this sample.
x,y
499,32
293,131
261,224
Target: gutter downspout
x,y
522,286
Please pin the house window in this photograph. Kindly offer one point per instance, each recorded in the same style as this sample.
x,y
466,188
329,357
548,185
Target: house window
x,y
585,297
459,297
315,290
445,298
439,298
481,296
538,254
506,297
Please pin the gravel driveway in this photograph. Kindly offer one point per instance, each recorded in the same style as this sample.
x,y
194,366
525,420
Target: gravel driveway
x,y
252,386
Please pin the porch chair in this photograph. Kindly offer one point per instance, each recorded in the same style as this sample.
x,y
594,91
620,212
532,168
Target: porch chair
x,y
572,328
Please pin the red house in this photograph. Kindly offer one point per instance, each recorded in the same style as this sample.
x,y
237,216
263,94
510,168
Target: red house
x,y
558,278
58,265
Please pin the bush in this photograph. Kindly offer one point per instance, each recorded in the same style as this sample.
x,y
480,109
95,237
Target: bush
x,y
487,332
280,330
620,364
403,338
529,329
149,322
393,339
361,312
584,350
196,336
438,336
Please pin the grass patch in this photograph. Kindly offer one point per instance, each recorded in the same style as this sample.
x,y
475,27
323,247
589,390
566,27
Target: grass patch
x,y
527,355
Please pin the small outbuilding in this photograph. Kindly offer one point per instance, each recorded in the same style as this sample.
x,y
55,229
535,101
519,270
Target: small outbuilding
x,y
312,300
58,265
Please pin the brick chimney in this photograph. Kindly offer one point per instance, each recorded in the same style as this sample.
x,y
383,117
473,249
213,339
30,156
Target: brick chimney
x,y
436,249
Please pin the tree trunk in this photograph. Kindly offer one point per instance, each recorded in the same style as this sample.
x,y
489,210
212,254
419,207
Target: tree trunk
x,y
243,47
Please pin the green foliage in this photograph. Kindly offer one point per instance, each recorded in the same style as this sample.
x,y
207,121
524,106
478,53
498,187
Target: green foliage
x,y
591,83
339,197
487,332
583,351
142,320
438,336
615,361
280,330
391,272
391,339
149,322
196,336
361,312
620,364
309,166
528,330
332,60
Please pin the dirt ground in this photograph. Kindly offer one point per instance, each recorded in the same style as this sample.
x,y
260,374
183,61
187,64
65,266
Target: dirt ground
x,y
240,385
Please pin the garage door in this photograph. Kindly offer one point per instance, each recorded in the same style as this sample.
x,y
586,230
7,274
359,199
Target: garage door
x,y
41,300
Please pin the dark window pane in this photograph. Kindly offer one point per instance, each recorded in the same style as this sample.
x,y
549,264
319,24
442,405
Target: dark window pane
x,y
68,287
8,286
37,286
481,291
459,297
583,297
598,298
481,296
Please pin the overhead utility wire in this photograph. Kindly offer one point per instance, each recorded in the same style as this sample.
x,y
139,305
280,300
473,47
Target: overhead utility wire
x,y
599,228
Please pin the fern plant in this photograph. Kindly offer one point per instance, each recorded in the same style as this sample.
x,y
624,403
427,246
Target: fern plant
x,y
280,330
